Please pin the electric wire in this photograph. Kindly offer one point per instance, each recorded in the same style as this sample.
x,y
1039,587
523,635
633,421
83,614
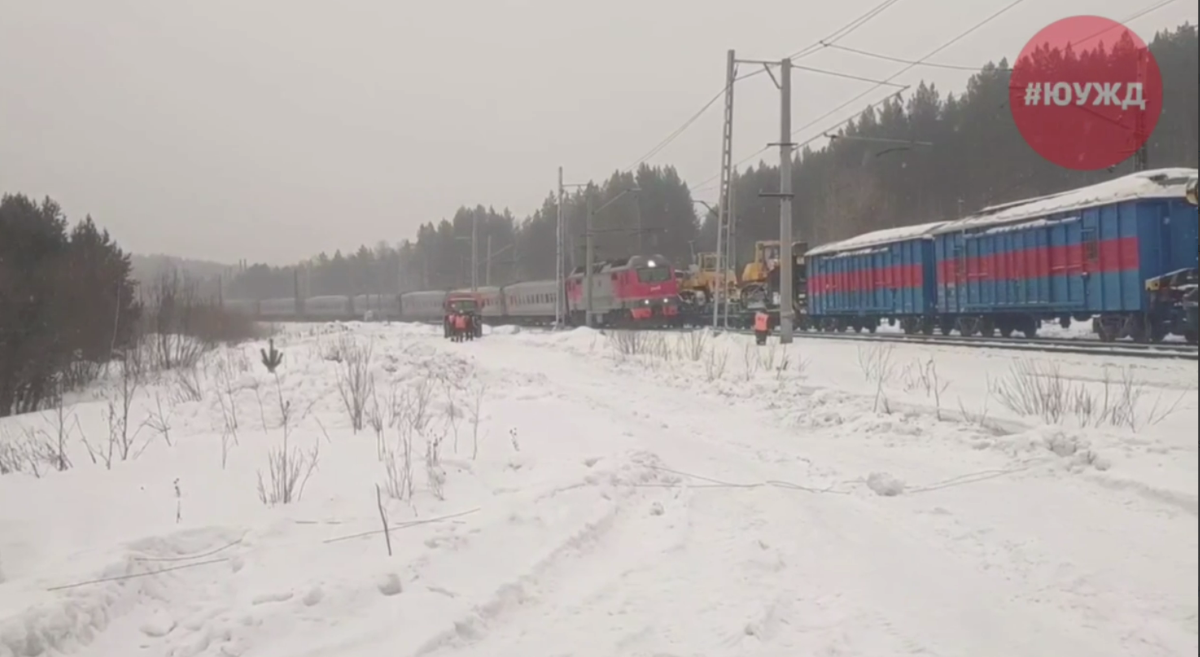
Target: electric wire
x,y
956,67
840,33
1012,5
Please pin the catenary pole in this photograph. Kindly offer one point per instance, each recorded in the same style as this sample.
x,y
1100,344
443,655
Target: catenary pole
x,y
787,261
726,166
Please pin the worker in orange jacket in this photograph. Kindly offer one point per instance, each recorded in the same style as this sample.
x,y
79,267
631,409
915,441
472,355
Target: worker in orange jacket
x,y
762,327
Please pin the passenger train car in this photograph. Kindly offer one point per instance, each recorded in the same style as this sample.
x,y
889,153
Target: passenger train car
x,y
636,291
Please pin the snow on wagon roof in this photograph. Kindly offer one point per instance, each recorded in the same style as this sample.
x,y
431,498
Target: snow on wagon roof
x,y
1156,183
877,238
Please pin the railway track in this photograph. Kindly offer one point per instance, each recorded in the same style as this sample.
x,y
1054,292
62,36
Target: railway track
x,y
1046,345
1043,345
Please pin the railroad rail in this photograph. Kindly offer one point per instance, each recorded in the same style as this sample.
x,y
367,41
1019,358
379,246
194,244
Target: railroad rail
x,y
1048,345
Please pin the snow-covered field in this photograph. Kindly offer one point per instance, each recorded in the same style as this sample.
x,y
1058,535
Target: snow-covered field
x,y
632,495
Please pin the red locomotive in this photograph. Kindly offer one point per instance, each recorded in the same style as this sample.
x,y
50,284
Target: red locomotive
x,y
636,291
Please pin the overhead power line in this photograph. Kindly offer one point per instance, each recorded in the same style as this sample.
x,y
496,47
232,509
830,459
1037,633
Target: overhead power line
x,y
955,67
1148,10
678,131
1012,5
846,30
708,183
888,58
840,33
847,76
907,68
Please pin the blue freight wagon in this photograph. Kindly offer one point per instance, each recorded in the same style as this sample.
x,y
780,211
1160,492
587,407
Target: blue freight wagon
x,y
886,275
1082,255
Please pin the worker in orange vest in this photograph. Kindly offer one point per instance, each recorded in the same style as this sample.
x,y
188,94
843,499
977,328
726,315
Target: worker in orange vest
x,y
762,327
460,325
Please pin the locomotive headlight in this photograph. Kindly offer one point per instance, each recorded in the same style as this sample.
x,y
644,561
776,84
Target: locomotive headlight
x,y
646,301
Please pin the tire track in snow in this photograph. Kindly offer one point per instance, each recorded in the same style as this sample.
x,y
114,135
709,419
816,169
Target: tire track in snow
x,y
627,532
915,582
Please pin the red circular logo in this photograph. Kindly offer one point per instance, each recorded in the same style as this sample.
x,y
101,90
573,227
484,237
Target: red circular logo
x,y
1086,93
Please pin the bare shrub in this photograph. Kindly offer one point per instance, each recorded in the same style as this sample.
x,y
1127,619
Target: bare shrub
x,y
454,414
160,420
288,469
658,348
767,357
876,362
978,419
354,381
376,421
923,377
693,345
187,384
79,373
414,405
226,398
802,366
17,455
750,361
13,457
397,457
434,474
714,367
60,419
785,364
226,383
1040,390
181,324
630,343
118,398
478,390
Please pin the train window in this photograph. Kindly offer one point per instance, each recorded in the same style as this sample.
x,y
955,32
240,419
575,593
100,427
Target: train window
x,y
1091,245
654,274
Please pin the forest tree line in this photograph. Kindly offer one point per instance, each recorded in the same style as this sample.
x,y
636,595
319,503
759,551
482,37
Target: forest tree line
x,y
842,188
70,307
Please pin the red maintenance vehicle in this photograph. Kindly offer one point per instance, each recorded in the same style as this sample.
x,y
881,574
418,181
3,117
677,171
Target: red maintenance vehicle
x,y
640,291
461,317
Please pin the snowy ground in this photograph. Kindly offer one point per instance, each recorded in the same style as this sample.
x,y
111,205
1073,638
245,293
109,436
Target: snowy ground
x,y
622,495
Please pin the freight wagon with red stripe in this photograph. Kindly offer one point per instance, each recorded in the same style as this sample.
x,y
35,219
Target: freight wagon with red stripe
x,y
887,275
1088,254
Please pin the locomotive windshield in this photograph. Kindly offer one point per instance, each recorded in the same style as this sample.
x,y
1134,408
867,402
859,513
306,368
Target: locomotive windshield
x,y
463,305
654,274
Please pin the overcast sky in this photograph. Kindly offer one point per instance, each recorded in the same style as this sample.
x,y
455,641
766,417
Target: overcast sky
x,y
274,129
